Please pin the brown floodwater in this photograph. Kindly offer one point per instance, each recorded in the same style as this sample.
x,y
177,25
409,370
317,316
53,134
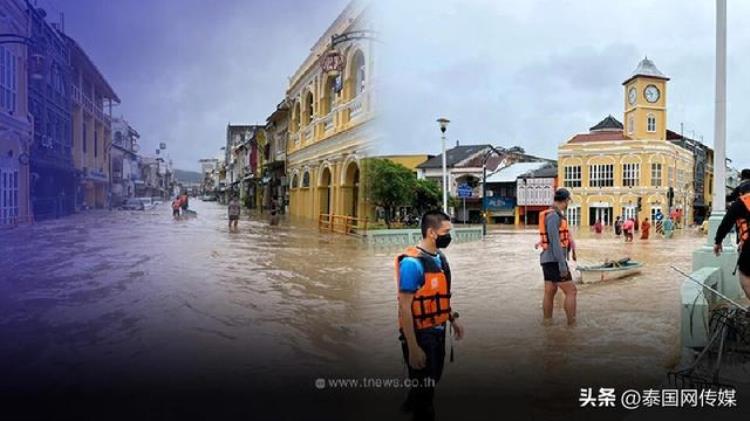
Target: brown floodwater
x,y
106,298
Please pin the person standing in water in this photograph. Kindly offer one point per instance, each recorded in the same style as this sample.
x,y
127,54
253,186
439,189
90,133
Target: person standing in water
x,y
555,240
423,278
618,226
233,209
645,229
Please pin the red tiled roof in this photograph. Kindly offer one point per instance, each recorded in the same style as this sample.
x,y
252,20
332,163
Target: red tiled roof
x,y
598,137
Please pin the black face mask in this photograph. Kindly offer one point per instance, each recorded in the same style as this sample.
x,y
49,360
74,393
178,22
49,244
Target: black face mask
x,y
443,241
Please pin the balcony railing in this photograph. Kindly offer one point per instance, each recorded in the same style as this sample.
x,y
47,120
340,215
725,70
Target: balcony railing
x,y
328,123
76,94
307,134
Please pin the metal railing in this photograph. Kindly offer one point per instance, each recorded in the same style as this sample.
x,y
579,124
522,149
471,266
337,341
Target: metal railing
x,y
342,224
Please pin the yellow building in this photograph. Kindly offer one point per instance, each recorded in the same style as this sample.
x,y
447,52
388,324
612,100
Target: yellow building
x,y
628,171
92,128
331,124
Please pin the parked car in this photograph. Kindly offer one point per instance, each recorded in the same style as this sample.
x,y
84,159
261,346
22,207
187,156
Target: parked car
x,y
133,204
208,198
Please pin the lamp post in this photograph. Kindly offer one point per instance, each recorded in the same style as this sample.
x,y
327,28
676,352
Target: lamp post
x,y
443,122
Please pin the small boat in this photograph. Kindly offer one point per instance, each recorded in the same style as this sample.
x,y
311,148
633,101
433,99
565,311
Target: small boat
x,y
609,270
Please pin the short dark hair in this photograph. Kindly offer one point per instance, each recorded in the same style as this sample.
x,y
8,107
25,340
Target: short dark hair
x,y
745,175
433,219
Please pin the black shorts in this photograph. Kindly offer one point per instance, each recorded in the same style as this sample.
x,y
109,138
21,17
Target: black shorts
x,y
552,273
743,263
234,217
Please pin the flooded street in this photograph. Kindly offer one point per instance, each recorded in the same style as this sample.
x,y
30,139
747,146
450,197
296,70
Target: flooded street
x,y
135,299
128,294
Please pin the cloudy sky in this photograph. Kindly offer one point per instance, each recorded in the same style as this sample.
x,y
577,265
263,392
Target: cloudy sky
x,y
525,72
535,72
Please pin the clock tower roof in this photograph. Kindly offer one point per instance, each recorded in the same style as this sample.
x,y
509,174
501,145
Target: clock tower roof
x,y
646,68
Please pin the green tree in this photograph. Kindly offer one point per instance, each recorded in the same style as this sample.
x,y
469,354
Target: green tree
x,y
389,185
427,195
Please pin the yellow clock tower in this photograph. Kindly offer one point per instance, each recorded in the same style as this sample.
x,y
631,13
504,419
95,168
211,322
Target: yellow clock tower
x,y
646,102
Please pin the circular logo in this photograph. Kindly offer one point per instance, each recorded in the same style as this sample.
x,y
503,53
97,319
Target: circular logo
x,y
320,383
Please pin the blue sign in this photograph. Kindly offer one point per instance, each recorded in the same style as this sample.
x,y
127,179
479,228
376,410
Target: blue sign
x,y
499,203
465,191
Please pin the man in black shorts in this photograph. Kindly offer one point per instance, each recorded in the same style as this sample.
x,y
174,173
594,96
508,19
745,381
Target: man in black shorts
x,y
738,214
555,243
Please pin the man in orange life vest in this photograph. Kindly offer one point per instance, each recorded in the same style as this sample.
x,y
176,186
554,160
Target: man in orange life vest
x,y
738,214
424,290
555,241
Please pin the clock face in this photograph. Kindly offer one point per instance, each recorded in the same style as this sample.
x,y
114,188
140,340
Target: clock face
x,y
632,95
651,93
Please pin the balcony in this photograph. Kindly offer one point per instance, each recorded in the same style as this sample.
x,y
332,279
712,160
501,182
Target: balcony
x,y
307,134
76,94
328,125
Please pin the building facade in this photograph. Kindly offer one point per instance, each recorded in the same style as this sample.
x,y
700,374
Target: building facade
x,y
91,128
331,123
15,121
123,161
53,175
631,170
274,178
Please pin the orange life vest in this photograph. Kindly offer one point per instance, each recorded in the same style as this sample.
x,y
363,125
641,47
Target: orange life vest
x,y
564,234
743,230
431,305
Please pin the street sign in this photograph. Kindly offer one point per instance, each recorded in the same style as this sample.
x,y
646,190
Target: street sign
x,y
465,191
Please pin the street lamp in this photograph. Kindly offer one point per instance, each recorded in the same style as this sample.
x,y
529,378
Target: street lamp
x,y
443,122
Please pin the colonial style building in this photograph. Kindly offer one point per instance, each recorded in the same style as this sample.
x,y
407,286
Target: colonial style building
x,y
274,179
465,166
53,176
331,123
92,128
15,120
242,162
123,161
631,170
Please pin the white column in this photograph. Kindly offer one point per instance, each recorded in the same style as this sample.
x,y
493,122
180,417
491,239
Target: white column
x,y
720,109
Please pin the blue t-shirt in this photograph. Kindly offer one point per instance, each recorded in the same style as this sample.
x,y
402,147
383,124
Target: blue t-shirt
x,y
411,273
411,276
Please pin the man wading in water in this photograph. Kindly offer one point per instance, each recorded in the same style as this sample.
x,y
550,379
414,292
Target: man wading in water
x,y
234,213
424,289
555,242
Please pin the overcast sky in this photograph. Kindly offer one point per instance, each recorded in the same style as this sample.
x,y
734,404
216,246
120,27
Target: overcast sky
x,y
533,73
528,73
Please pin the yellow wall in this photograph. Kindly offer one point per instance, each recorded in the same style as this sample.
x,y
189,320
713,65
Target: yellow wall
x,y
409,161
642,108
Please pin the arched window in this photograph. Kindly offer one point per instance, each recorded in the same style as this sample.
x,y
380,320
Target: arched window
x,y
295,117
358,73
295,181
330,93
651,123
631,125
309,108
306,179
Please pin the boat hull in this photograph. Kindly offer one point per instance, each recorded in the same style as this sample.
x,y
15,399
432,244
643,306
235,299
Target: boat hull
x,y
592,275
